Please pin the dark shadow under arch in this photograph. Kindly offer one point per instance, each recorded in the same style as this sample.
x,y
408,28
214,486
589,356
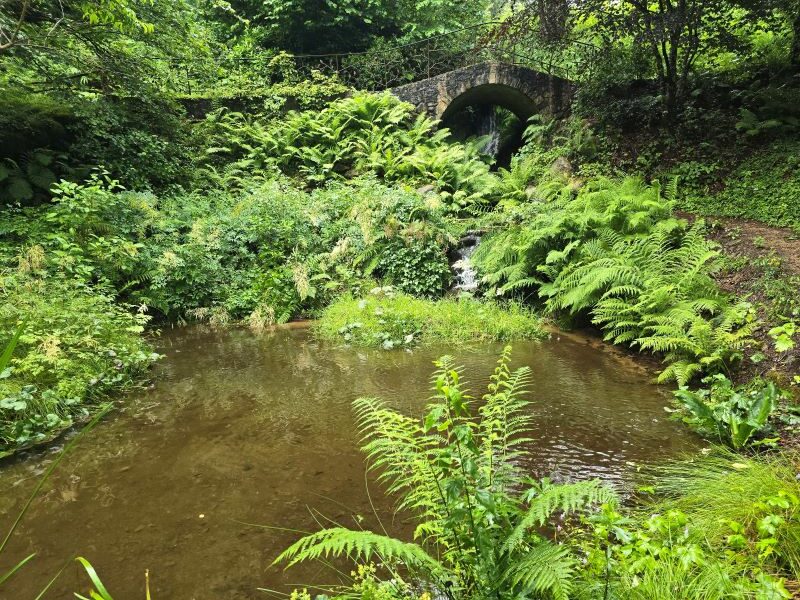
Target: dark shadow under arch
x,y
494,94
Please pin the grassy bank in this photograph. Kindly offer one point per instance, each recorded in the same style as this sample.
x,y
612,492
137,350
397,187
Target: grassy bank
x,y
77,348
391,321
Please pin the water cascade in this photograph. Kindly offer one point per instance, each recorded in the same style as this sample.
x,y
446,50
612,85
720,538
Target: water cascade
x,y
466,279
489,129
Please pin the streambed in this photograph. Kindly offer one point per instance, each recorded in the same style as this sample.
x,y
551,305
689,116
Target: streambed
x,y
257,429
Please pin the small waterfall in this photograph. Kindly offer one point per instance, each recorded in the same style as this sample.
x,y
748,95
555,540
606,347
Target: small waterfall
x,y
487,126
466,279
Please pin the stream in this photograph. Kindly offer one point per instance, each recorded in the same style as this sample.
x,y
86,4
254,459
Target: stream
x,y
247,430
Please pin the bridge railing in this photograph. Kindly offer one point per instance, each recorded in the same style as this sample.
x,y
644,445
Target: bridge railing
x,y
387,66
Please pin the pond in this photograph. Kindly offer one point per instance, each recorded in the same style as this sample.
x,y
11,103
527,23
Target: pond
x,y
244,430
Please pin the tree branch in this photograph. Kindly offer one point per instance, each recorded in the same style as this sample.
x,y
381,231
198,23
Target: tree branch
x,y
12,40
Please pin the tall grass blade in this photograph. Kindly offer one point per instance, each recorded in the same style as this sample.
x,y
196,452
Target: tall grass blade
x,y
100,592
6,576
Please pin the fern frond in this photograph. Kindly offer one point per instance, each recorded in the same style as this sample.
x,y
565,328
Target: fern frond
x,y
546,569
339,542
565,498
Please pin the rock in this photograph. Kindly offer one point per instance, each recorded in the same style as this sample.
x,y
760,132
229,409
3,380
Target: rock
x,y
562,166
426,189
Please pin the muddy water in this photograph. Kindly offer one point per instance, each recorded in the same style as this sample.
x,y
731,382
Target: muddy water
x,y
244,429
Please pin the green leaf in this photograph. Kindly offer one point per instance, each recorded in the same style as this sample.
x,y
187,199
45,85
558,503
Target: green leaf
x,y
11,572
19,189
783,343
40,176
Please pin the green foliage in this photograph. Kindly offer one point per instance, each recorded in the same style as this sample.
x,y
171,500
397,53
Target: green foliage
x,y
342,25
388,320
613,253
373,233
78,347
724,526
267,251
783,336
364,134
736,416
142,142
764,186
99,591
770,110
29,121
29,177
481,521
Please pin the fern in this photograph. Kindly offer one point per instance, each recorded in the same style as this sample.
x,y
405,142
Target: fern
x,y
461,478
547,499
357,545
614,253
545,569
374,134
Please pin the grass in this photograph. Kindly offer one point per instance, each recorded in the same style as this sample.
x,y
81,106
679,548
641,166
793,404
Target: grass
x,y
720,526
391,321
726,487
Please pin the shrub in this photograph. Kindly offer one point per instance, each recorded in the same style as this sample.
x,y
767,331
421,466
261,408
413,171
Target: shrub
x,y
78,346
143,141
390,320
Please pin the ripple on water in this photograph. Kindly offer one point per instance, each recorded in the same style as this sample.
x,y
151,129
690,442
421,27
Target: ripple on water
x,y
245,428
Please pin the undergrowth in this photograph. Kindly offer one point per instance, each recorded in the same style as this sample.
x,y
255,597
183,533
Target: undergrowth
x,y
388,320
612,254
765,187
77,347
373,134
720,526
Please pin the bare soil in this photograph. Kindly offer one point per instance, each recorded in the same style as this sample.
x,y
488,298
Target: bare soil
x,y
765,256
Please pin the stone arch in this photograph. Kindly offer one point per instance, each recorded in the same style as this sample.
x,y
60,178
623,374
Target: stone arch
x,y
522,90
494,94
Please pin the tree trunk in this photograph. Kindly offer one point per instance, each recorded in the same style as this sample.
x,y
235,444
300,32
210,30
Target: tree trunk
x,y
795,56
553,16
556,99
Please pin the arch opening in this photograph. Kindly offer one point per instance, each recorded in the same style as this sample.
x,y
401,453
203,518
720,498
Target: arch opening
x,y
498,113
494,94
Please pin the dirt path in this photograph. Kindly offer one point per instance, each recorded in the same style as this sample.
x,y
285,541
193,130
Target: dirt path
x,y
749,238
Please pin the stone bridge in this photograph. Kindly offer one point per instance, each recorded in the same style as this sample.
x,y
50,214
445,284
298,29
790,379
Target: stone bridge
x,y
523,91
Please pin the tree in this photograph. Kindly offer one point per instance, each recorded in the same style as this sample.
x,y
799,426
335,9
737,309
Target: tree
x,y
342,26
99,44
19,19
674,33
790,9
311,26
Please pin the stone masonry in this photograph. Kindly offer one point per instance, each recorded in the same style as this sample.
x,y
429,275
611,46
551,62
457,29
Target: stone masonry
x,y
521,90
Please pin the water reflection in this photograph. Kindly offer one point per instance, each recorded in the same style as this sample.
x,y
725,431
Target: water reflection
x,y
243,428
